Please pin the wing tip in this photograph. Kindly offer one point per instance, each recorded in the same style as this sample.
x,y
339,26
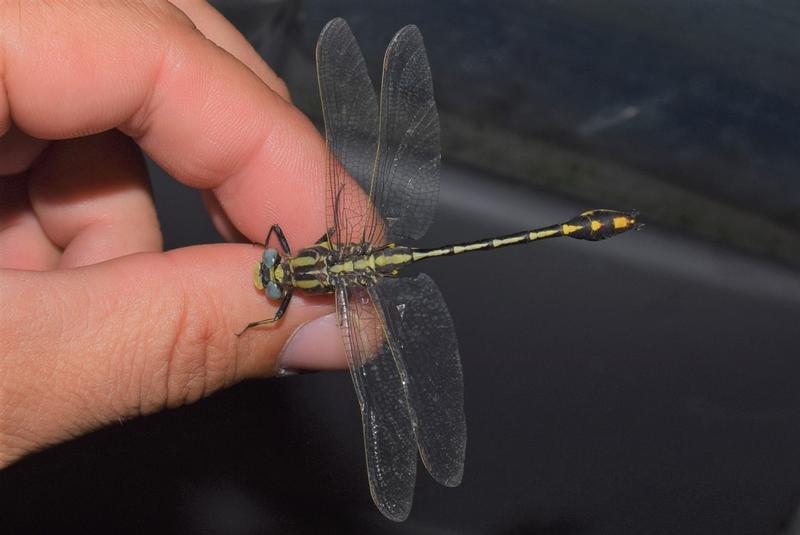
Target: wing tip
x,y
395,510
454,480
449,478
335,22
395,515
331,28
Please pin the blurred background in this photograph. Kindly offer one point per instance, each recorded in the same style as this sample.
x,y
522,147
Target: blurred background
x,y
648,384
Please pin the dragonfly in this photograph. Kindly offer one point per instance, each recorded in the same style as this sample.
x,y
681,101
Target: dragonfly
x,y
382,186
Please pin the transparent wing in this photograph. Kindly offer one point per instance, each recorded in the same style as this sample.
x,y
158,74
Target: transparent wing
x,y
423,340
404,186
388,431
350,111
394,160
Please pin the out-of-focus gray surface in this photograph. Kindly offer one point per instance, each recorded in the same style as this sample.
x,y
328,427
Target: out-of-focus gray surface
x,y
689,111
647,384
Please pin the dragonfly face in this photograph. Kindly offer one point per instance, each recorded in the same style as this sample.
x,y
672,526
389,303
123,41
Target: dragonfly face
x,y
269,274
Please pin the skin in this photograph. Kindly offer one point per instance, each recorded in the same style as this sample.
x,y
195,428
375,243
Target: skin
x,y
97,323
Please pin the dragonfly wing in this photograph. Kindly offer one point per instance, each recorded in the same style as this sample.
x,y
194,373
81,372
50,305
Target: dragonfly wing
x,y
388,430
423,339
404,186
350,111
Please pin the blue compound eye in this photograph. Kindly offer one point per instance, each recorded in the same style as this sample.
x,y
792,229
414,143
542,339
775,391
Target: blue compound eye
x,y
270,257
273,290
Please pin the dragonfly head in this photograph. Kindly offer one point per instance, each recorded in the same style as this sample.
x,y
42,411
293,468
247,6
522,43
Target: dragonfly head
x,y
268,275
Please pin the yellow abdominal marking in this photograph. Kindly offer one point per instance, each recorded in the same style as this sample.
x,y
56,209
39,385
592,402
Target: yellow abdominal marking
x,y
458,249
539,235
596,225
569,229
394,259
508,241
621,222
427,254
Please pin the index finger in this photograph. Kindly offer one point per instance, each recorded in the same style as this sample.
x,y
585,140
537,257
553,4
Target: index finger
x,y
205,117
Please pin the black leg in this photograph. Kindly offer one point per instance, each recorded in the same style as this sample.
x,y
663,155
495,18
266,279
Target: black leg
x,y
278,314
281,238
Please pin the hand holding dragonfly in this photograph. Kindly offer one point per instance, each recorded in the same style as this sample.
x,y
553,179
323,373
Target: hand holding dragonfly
x,y
98,324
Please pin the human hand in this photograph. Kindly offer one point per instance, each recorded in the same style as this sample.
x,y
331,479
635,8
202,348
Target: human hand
x,y
97,324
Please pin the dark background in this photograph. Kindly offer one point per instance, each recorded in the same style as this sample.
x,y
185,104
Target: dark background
x,y
644,385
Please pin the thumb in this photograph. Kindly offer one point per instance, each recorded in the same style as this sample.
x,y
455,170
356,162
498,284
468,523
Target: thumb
x,y
80,348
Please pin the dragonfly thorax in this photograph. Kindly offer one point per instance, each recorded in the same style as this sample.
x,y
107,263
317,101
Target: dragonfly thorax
x,y
318,269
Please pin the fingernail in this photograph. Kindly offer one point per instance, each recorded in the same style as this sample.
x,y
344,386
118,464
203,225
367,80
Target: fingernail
x,y
316,345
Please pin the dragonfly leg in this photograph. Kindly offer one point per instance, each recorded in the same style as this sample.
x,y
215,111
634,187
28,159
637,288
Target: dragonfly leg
x,y
281,238
327,236
278,314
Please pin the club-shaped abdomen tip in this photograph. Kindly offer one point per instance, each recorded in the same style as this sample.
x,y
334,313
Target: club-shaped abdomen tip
x,y
601,224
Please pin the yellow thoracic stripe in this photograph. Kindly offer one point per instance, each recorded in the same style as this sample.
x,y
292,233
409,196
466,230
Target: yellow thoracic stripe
x,y
306,284
344,266
303,261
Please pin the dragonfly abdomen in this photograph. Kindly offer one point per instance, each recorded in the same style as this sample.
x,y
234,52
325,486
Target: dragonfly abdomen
x,y
593,225
368,265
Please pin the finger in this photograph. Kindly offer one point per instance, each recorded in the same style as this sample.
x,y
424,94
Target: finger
x,y
23,243
200,113
220,220
220,30
91,196
18,150
88,346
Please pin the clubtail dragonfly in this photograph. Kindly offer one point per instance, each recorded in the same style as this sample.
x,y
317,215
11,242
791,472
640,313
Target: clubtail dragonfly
x,y
382,189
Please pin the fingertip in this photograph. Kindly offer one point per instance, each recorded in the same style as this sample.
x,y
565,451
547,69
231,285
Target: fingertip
x,y
223,33
224,298
315,345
